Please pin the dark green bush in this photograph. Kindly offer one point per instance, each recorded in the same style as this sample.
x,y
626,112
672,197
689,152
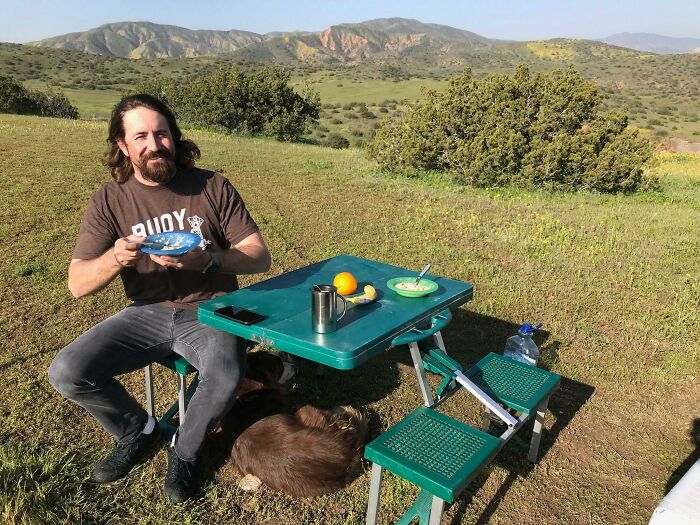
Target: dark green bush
x,y
257,102
336,141
544,130
15,98
55,104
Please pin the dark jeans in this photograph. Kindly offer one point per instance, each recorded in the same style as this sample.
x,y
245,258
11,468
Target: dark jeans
x,y
84,370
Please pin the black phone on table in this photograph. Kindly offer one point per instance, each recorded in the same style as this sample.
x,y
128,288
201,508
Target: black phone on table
x,y
240,315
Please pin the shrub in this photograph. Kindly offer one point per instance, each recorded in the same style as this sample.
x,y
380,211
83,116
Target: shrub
x,y
258,102
336,141
544,130
15,98
55,104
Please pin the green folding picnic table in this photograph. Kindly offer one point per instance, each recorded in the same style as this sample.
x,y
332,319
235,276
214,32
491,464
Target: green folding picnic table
x,y
434,451
364,332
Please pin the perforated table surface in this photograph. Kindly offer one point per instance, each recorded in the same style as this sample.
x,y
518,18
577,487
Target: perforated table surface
x,y
364,332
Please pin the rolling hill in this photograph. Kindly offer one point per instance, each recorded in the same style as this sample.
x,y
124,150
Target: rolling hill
x,y
654,43
149,40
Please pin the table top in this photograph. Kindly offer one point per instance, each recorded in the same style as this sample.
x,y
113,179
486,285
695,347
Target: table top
x,y
365,331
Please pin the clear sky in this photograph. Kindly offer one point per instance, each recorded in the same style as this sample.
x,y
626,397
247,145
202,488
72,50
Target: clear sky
x,y
24,21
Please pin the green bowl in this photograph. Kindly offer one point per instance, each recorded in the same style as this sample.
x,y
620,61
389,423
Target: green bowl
x,y
431,286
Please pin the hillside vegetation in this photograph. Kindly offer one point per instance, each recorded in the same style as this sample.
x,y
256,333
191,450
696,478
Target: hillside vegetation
x,y
659,90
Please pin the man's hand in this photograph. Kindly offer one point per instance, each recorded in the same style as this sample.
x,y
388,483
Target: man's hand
x,y
194,260
87,276
126,250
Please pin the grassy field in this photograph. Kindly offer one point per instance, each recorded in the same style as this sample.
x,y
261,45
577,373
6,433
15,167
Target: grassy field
x,y
614,279
339,90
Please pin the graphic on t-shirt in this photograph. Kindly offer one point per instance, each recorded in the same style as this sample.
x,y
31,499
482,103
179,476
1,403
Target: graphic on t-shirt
x,y
168,222
196,224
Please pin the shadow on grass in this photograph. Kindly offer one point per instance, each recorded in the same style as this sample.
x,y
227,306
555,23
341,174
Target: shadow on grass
x,y
469,337
694,456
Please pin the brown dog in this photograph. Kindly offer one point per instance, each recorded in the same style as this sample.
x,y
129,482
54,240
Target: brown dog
x,y
304,453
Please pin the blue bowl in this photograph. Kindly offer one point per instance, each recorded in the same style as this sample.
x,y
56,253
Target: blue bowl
x,y
174,243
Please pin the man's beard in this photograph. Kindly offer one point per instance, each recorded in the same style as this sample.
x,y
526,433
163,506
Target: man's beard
x,y
161,171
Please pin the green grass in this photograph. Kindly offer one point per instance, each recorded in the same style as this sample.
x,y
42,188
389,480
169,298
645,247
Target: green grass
x,y
342,90
614,280
90,103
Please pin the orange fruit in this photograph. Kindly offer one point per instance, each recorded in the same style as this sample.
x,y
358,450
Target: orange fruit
x,y
345,282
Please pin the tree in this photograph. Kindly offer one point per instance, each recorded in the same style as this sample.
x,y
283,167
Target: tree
x,y
15,98
260,102
544,130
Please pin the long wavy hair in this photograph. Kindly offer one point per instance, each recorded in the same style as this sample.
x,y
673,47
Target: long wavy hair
x,y
186,151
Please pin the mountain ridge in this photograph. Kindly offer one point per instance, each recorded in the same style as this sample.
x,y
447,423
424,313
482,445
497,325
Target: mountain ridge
x,y
339,43
346,42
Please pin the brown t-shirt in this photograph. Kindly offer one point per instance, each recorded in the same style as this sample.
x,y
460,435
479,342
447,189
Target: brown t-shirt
x,y
195,200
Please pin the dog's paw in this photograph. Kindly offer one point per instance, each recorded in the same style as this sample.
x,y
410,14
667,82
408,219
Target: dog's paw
x,y
288,371
250,483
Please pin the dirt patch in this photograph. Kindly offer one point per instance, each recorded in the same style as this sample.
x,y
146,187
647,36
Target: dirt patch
x,y
678,146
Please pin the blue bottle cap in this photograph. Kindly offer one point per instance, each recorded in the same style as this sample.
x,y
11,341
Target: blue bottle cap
x,y
528,329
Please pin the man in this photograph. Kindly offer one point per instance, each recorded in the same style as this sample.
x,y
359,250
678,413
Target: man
x,y
157,188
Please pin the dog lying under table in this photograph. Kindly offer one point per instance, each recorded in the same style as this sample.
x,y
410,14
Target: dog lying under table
x,y
303,453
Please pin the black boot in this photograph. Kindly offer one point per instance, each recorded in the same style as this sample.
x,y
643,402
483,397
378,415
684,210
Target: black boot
x,y
179,480
126,456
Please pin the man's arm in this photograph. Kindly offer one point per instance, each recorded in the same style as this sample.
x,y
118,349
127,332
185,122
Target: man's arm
x,y
88,276
248,256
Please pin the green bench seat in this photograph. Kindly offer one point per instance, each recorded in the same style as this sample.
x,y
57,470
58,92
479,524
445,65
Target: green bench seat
x,y
517,385
434,451
442,455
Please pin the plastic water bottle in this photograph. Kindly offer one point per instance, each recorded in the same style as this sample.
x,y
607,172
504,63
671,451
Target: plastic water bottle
x,y
521,347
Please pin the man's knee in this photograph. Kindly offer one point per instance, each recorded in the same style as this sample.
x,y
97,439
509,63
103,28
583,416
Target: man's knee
x,y
224,382
61,376
68,377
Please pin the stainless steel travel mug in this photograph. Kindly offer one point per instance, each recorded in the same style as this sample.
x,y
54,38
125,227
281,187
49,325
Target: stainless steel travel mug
x,y
324,308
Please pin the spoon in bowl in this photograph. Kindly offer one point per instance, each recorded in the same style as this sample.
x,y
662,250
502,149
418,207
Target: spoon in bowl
x,y
422,273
